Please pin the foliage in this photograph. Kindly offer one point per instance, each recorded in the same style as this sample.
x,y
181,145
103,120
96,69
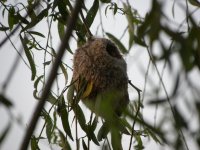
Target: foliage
x,y
145,32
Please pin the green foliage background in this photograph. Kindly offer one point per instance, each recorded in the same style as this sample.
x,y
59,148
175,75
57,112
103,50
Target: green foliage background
x,y
66,124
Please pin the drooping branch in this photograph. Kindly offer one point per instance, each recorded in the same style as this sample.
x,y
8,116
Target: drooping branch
x,y
53,73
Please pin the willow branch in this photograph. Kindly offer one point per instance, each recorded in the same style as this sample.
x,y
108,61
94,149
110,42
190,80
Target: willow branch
x,y
40,105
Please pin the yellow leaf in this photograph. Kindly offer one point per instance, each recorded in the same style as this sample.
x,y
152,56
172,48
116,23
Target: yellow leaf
x,y
88,90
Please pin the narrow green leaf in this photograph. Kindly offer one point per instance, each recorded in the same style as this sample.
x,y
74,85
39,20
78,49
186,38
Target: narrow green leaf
x,y
61,33
121,126
29,57
43,13
154,136
61,30
64,143
103,132
130,19
80,117
11,13
125,123
176,86
116,140
118,43
49,127
94,123
55,4
105,1
92,13
4,1
115,8
5,101
51,99
64,117
131,38
63,9
36,19
173,8
195,2
37,81
23,19
36,33
35,86
31,11
139,41
34,143
47,63
92,136
139,145
35,95
180,120
70,93
84,145
106,10
157,101
64,71
5,133
4,28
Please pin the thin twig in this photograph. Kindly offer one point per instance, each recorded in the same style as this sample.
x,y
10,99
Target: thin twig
x,y
18,52
89,33
101,22
108,143
76,127
187,14
162,73
54,105
45,51
53,73
168,99
136,88
145,84
145,80
137,112
124,32
14,66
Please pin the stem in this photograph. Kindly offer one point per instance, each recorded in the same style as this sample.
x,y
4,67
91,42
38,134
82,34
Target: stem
x,y
137,112
76,128
168,99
